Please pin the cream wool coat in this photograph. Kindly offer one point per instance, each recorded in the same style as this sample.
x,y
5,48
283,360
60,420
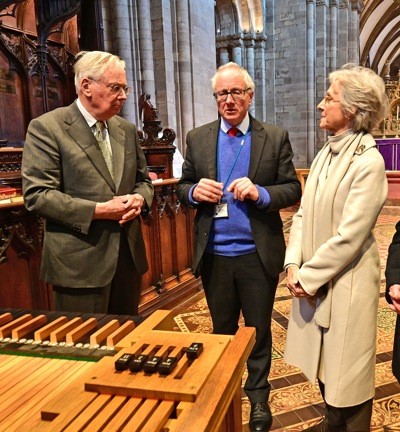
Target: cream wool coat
x,y
332,242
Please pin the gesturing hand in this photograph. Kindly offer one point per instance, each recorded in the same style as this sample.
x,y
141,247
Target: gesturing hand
x,y
208,190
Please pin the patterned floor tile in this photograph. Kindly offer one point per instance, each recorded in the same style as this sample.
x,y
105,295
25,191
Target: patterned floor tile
x,y
296,404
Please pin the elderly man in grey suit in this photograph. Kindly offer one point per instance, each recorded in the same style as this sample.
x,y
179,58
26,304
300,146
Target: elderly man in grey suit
x,y
238,173
83,170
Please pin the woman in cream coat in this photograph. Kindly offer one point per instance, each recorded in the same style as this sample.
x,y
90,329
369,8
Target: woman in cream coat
x,y
332,260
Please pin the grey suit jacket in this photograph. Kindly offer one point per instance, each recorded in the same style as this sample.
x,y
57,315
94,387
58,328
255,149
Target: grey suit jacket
x,y
64,175
271,167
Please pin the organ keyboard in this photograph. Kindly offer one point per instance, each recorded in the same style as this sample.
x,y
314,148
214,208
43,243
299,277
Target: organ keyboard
x,y
201,393
60,334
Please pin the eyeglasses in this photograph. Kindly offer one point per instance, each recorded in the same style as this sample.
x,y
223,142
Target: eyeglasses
x,y
115,88
236,94
327,100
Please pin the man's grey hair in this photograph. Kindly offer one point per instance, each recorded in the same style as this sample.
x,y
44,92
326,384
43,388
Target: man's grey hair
x,y
240,71
93,64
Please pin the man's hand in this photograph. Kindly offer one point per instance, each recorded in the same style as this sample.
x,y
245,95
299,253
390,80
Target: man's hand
x,y
243,188
394,292
208,190
133,206
121,208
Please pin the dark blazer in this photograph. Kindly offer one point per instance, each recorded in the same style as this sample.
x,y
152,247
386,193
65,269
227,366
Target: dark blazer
x,y
393,277
270,167
64,175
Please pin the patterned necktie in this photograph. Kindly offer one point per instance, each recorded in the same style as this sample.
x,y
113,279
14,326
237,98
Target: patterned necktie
x,y
233,131
104,147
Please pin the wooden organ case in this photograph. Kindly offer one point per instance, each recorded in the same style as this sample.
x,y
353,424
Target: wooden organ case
x,y
43,393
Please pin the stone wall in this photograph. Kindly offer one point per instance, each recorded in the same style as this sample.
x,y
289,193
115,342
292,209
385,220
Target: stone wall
x,y
172,48
169,49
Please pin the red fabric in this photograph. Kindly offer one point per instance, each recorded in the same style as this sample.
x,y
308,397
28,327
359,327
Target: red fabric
x,y
233,131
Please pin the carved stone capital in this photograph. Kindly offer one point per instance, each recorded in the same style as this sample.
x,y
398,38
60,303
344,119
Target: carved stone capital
x,y
231,41
249,41
357,5
261,43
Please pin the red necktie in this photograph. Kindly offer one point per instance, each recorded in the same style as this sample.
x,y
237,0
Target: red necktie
x,y
233,131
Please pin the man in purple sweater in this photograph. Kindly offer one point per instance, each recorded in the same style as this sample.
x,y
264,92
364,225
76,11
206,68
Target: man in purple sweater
x,y
238,173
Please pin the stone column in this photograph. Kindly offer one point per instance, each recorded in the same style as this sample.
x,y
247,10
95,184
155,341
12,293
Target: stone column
x,y
237,51
121,22
146,48
271,60
223,55
248,40
354,30
184,68
164,35
343,31
260,77
311,101
322,57
333,9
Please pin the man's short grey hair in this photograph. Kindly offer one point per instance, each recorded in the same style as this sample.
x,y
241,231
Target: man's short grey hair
x,y
93,64
363,95
234,67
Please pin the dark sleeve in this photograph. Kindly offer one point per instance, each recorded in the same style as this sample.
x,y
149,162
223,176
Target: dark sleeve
x,y
286,190
189,176
393,262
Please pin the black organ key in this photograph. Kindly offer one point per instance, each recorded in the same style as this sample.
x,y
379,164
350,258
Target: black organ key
x,y
167,365
151,365
136,365
123,362
194,351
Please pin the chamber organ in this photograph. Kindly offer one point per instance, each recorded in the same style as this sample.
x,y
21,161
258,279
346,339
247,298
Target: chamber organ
x,y
61,386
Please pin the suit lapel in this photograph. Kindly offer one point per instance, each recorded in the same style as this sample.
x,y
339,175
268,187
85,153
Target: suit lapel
x,y
80,132
258,140
211,150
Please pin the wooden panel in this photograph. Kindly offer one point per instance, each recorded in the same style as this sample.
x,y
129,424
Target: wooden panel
x,y
20,253
184,386
215,396
168,233
11,104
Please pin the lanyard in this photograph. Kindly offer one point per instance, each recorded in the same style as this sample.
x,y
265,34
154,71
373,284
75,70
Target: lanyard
x,y
234,163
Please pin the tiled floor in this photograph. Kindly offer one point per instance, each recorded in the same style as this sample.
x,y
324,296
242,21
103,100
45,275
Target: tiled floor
x,y
296,404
